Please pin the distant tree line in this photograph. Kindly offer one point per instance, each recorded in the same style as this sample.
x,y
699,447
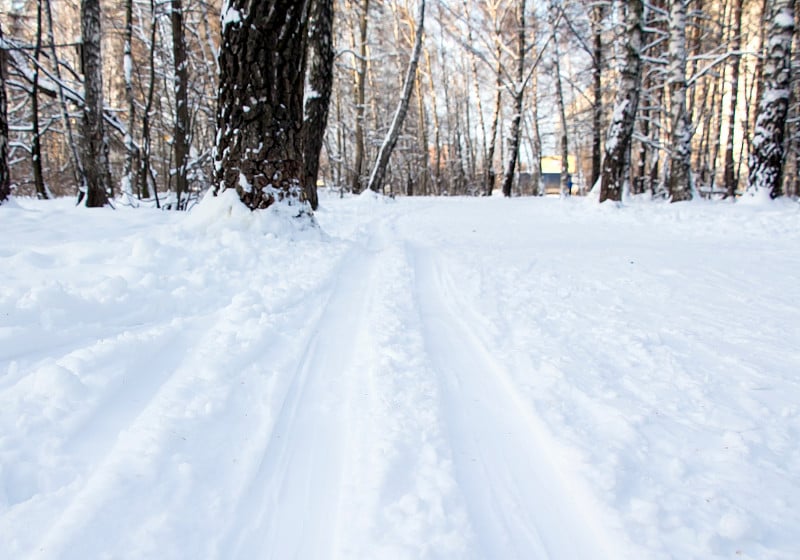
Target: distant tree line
x,y
147,102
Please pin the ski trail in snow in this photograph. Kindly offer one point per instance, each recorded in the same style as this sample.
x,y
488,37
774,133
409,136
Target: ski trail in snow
x,y
295,490
519,504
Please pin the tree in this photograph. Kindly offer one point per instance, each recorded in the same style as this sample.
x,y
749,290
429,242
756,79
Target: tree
x,y
320,81
680,172
361,87
618,143
36,140
259,149
518,97
181,136
128,175
766,153
730,178
598,16
5,178
378,174
94,143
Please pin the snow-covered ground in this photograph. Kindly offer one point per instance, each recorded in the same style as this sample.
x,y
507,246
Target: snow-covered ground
x,y
426,378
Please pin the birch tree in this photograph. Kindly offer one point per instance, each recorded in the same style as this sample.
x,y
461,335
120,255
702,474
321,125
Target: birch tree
x,y
518,95
730,179
766,153
378,175
36,138
5,176
618,143
680,172
181,139
94,141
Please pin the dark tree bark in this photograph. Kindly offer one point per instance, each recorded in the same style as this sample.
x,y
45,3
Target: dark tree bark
x,y
5,178
378,174
259,150
620,133
181,142
766,155
320,81
94,143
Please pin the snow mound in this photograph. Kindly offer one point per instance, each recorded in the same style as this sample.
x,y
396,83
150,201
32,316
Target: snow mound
x,y
225,211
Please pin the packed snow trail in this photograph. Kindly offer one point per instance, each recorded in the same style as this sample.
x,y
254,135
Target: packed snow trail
x,y
464,378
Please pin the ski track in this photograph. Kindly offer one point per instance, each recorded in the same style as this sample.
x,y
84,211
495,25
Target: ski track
x,y
308,431
520,504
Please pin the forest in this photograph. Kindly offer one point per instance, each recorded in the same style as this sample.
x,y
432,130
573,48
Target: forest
x,y
675,98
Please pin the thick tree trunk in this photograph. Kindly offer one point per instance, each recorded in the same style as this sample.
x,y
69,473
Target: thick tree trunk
x,y
5,177
259,150
320,81
378,175
519,98
766,155
618,143
181,133
94,142
680,173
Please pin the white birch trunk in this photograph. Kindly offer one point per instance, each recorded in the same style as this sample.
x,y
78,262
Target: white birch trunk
x,y
767,150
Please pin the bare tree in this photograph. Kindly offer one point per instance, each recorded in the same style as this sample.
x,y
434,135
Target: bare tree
x,y
259,151
680,174
5,175
766,154
730,179
36,139
182,126
518,96
128,174
598,15
361,88
618,143
94,142
320,81
378,175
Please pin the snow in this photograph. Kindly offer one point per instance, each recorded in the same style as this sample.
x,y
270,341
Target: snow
x,y
230,16
420,378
